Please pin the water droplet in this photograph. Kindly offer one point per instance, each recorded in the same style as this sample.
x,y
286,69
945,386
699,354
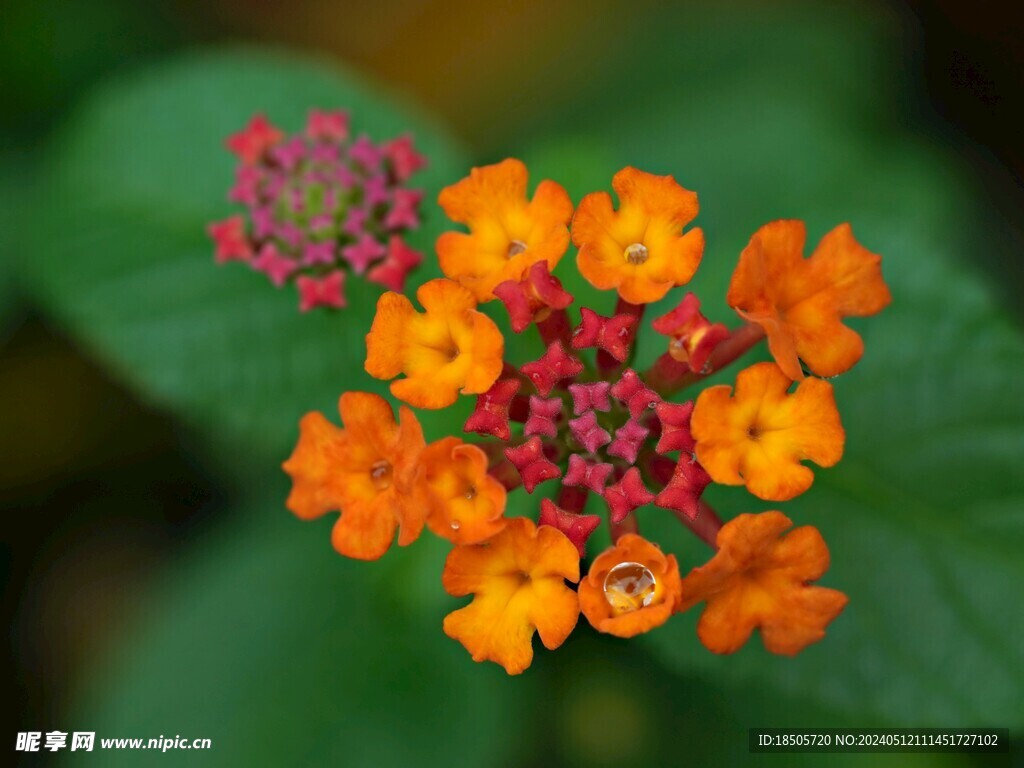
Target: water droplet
x,y
629,587
515,248
455,525
636,253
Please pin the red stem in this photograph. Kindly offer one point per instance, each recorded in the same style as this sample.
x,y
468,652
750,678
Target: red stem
x,y
572,498
706,525
628,524
519,409
555,327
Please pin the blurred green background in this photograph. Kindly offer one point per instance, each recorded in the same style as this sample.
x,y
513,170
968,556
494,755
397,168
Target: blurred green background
x,y
155,585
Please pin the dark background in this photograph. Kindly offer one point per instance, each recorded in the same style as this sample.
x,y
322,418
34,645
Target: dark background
x,y
100,493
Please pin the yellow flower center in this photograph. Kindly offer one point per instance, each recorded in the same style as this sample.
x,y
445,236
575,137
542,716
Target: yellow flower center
x,y
636,254
629,587
677,349
515,248
380,474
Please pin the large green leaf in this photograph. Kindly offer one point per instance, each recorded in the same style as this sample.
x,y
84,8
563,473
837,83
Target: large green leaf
x,y
925,514
12,210
282,653
122,258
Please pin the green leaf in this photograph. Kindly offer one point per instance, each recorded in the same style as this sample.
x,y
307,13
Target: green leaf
x,y
121,257
924,515
12,210
282,653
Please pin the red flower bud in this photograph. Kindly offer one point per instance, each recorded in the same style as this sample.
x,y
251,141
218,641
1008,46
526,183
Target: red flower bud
x,y
693,336
533,466
577,528
588,432
590,397
628,440
533,297
398,262
612,334
555,365
675,427
631,391
588,474
543,413
626,495
685,488
490,416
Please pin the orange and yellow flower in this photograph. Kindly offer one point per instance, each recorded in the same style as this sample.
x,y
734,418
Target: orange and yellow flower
x,y
758,579
517,580
466,504
631,588
507,232
759,435
800,302
448,347
639,249
367,470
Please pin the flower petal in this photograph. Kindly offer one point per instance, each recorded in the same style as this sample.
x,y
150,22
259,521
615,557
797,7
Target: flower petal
x,y
760,434
517,580
759,579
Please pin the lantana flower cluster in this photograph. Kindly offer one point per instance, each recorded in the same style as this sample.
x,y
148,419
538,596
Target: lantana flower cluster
x,y
582,421
320,206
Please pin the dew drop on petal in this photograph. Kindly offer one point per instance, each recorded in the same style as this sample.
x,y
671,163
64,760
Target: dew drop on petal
x,y
636,254
455,525
629,587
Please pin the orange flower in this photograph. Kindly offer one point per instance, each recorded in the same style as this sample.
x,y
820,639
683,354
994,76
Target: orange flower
x,y
632,587
517,583
367,470
759,579
466,505
447,347
800,302
638,249
760,434
507,233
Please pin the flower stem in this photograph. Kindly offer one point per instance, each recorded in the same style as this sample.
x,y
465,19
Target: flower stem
x,y
572,498
555,327
628,524
706,525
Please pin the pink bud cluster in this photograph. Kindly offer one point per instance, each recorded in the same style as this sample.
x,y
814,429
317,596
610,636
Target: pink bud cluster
x,y
321,205
600,431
